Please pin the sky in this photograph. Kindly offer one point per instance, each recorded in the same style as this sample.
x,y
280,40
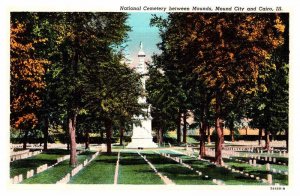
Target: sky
x,y
142,32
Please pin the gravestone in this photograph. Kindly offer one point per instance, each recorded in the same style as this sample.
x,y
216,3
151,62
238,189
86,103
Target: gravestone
x,y
268,167
254,162
269,178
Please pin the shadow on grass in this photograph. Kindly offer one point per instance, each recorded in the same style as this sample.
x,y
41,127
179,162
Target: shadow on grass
x,y
57,151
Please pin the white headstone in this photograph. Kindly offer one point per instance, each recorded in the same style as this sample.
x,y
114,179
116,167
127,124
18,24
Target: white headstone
x,y
28,175
20,178
268,167
269,178
16,180
254,162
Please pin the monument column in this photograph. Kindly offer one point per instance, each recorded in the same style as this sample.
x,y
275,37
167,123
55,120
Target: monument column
x,y
142,135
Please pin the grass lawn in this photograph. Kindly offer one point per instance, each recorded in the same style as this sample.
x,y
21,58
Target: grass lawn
x,y
52,175
23,165
133,169
176,172
99,171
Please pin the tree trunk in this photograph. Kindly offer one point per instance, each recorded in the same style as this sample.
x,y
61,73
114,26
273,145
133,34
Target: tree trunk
x,y
272,137
222,129
232,134
220,136
246,130
72,133
25,139
87,140
108,128
161,137
46,133
202,139
179,128
121,135
208,134
184,132
101,136
287,139
259,136
203,127
267,139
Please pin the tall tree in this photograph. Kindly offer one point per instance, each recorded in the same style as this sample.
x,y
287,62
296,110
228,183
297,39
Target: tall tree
x,y
27,78
227,51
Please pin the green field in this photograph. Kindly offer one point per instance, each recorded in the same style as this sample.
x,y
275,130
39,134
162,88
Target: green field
x,y
134,170
99,171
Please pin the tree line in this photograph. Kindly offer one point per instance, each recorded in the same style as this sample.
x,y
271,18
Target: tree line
x,y
222,68
67,71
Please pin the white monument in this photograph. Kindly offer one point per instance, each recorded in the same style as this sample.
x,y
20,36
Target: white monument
x,y
142,135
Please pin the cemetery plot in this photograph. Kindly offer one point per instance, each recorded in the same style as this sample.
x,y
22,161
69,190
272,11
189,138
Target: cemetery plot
x,y
23,165
164,166
216,172
133,169
261,172
179,174
54,174
99,171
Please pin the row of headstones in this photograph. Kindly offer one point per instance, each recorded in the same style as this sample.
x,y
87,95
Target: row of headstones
x,y
210,152
24,154
13,146
19,178
179,160
271,151
74,171
263,158
230,153
63,158
164,178
268,180
249,149
253,163
270,159
19,152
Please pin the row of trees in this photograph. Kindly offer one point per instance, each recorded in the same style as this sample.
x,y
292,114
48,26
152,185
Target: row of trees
x,y
223,68
67,72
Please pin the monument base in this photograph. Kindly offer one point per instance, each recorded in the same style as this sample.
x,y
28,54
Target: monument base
x,y
142,143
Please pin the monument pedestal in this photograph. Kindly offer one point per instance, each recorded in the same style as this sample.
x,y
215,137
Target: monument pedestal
x,y
142,136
